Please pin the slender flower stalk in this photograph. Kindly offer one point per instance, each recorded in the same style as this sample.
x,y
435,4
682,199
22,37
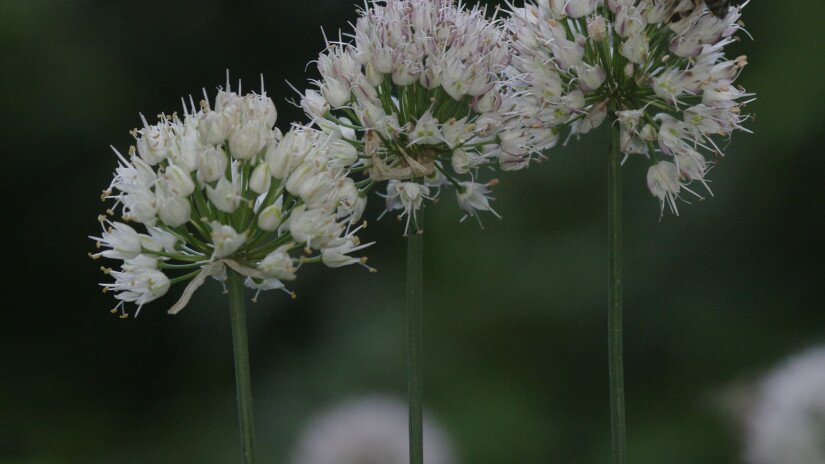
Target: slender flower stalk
x,y
219,192
415,341
614,299
657,72
243,382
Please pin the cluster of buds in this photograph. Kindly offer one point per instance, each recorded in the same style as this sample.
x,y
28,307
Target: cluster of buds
x,y
219,186
656,68
419,93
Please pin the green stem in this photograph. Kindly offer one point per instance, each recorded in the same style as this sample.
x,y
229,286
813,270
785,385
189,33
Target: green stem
x,y
243,383
614,296
415,284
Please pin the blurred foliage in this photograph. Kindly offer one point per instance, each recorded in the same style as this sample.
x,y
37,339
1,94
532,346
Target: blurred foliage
x,y
515,325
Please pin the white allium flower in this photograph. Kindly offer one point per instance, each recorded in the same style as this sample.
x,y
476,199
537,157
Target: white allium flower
x,y
656,68
371,430
474,197
418,92
220,186
787,423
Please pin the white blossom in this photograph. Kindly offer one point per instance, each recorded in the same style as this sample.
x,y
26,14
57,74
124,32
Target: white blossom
x,y
219,187
278,264
225,239
421,92
660,74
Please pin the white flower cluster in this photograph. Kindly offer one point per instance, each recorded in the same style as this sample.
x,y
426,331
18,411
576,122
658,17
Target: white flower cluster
x,y
219,185
656,68
418,92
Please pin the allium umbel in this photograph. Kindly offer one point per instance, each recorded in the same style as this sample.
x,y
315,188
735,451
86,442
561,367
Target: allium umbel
x,y
418,93
220,186
656,68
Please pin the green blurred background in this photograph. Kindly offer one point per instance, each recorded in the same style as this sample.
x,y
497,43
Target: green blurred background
x,y
516,363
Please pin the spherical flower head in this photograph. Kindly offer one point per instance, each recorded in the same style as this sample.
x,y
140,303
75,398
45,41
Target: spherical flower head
x,y
419,85
218,186
655,68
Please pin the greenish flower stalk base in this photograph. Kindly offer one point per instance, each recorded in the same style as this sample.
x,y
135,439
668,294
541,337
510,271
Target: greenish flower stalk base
x,y
243,382
415,288
614,297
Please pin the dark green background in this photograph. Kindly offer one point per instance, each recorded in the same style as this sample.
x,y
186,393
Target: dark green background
x,y
515,313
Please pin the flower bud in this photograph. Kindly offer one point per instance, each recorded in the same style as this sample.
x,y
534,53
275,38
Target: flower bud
x,y
374,77
174,211
337,93
299,177
343,152
259,109
557,7
315,191
277,157
579,8
177,181
314,104
648,133
597,28
490,101
591,77
213,128
153,144
382,60
358,209
213,164
141,206
188,150
261,179
635,48
460,161
269,218
630,21
455,132
405,70
247,140
430,77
